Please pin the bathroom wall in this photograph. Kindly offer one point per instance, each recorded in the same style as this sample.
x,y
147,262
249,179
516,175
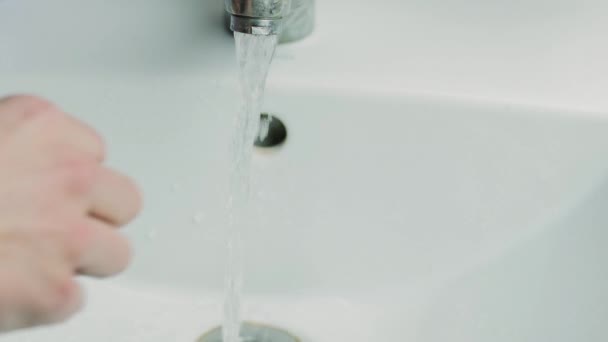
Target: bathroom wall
x,y
538,52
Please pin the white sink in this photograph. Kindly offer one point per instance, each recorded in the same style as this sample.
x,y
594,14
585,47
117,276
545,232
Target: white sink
x,y
385,216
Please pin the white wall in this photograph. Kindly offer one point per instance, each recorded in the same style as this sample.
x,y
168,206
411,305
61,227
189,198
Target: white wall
x,y
550,53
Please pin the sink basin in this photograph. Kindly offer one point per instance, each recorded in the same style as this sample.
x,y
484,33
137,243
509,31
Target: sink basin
x,y
386,215
380,218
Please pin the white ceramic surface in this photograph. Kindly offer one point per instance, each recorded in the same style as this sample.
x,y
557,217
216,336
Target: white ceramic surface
x,y
386,215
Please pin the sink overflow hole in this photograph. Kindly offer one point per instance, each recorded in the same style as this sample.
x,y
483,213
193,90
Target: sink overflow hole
x,y
272,132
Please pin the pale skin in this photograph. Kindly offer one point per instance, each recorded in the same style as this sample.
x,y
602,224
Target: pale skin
x,y
60,210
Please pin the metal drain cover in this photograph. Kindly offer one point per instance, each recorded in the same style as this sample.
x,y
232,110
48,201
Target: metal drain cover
x,y
252,333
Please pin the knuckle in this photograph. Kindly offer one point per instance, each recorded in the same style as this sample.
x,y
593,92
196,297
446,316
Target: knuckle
x,y
32,106
78,239
136,198
123,255
117,252
78,178
62,298
99,144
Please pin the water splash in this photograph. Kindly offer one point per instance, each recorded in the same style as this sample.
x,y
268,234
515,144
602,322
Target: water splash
x,y
254,55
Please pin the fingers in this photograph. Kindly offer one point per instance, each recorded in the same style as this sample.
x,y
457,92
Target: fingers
x,y
49,126
103,251
43,293
57,302
77,135
60,212
14,109
115,199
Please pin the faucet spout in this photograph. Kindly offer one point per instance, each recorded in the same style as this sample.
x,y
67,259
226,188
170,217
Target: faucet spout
x,y
258,17
291,20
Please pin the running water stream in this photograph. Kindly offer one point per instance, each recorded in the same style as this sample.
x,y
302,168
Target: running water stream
x,y
254,55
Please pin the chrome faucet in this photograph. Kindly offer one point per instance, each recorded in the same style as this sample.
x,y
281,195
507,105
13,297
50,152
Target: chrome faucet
x,y
291,19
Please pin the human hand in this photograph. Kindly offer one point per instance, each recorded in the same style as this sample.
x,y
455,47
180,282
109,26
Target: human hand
x,y
59,212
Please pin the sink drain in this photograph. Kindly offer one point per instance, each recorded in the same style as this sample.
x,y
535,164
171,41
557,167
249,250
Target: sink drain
x,y
252,333
272,131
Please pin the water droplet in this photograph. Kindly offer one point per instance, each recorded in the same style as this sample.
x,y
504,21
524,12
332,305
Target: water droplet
x,y
199,218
